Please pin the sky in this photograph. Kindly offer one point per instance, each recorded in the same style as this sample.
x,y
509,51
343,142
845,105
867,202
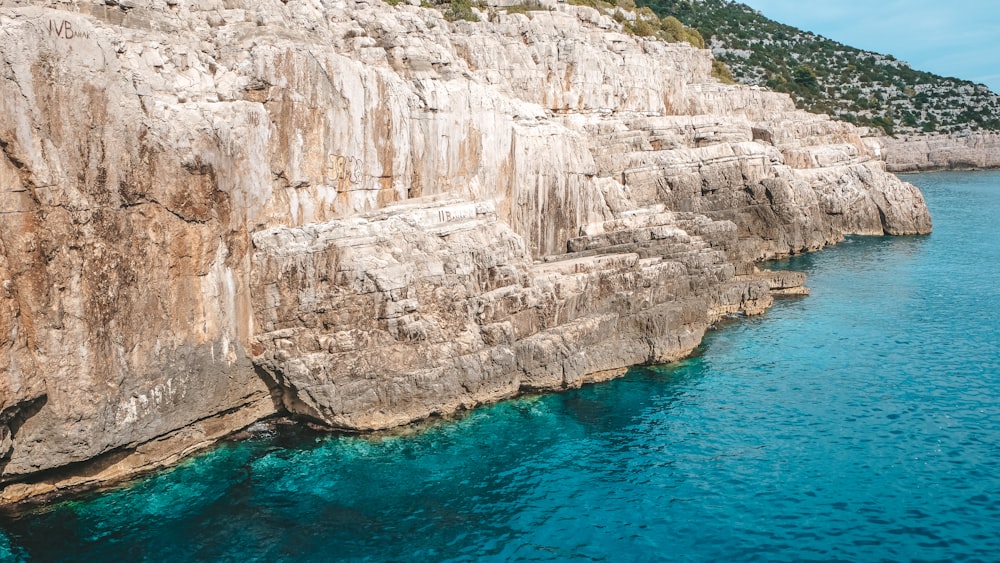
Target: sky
x,y
959,38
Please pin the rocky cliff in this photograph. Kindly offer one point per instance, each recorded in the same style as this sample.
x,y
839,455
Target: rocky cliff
x,y
959,151
364,215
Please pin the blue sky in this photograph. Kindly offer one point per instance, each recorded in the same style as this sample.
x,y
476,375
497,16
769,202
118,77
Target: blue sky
x,y
958,38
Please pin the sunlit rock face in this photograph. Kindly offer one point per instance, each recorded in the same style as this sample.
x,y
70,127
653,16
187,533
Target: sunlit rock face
x,y
957,151
365,215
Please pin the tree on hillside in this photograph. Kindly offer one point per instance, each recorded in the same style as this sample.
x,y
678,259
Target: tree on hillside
x,y
805,76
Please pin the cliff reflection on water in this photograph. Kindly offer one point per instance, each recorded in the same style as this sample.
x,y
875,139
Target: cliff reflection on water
x,y
859,423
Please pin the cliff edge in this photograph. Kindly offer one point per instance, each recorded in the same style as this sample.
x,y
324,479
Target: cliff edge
x,y
364,215
970,150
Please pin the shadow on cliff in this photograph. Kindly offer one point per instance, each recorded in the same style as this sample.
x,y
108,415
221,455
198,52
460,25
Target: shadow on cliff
x,y
14,420
275,389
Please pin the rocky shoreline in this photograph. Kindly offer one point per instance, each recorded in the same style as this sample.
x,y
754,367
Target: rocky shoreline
x,y
925,153
363,215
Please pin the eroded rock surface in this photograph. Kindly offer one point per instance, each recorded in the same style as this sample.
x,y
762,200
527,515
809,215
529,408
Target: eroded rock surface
x,y
365,214
959,151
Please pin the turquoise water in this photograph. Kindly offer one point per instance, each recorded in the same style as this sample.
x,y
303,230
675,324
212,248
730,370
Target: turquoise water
x,y
861,423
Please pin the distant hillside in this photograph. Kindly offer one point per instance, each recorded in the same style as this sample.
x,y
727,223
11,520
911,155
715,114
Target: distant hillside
x,y
829,77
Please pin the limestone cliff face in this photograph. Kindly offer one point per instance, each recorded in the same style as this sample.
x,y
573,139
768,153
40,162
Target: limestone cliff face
x,y
966,151
364,215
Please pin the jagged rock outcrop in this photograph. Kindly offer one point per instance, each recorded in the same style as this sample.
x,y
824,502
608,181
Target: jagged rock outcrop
x,y
958,151
214,211
376,322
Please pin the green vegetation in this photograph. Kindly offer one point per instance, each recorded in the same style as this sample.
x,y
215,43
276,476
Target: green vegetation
x,y
599,4
460,10
824,76
530,6
644,23
722,73
674,30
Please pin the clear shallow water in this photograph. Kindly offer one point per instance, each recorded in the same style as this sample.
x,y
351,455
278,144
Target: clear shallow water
x,y
861,423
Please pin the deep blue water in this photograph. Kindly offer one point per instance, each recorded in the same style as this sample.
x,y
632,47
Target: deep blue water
x,y
861,423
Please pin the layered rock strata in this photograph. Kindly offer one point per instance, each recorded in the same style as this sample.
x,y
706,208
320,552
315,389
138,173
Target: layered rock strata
x,y
376,322
965,151
363,215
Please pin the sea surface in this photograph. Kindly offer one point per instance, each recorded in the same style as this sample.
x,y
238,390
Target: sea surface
x,y
861,423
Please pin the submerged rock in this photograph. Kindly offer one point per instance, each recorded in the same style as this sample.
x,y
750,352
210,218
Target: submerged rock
x,y
211,212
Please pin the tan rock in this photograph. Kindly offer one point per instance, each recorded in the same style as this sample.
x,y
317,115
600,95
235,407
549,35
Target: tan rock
x,y
374,214
959,151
